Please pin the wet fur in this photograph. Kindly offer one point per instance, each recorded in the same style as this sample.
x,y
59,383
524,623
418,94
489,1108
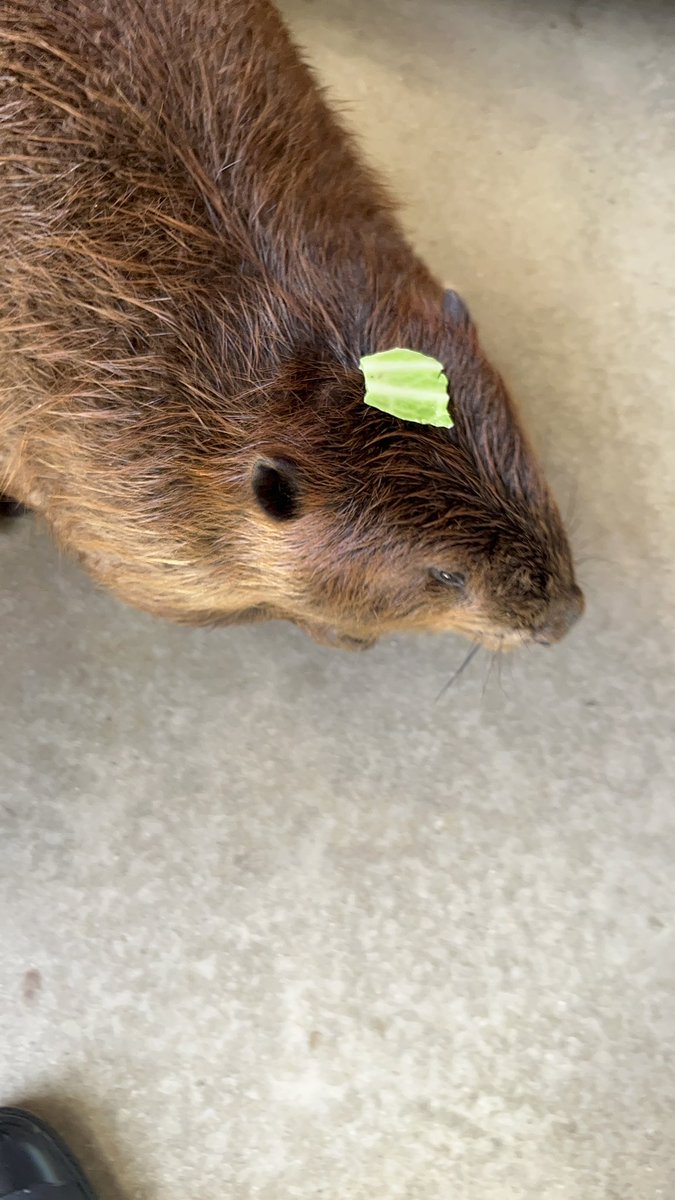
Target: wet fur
x,y
193,261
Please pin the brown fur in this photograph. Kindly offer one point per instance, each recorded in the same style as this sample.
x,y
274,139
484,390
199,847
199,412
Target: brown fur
x,y
193,261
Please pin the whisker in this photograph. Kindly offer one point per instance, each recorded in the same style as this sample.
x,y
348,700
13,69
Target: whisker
x,y
595,558
488,675
570,513
462,667
500,666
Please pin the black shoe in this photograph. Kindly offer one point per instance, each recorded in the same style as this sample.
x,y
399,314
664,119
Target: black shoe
x,y
34,1162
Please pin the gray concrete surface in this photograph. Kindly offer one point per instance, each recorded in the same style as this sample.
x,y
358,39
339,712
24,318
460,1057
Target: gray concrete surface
x,y
272,923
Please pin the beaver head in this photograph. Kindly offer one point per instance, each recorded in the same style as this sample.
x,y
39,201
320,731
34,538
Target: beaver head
x,y
362,524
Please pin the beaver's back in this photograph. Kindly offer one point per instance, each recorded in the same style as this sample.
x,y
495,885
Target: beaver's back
x,y
123,219
158,154
182,221
178,204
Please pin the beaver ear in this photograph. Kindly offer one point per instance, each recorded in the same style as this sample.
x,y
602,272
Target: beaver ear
x,y
454,308
276,488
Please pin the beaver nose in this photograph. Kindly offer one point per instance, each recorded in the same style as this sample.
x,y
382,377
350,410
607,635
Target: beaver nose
x,y
561,615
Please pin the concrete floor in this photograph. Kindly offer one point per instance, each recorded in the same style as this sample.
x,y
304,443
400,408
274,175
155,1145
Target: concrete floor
x,y
272,923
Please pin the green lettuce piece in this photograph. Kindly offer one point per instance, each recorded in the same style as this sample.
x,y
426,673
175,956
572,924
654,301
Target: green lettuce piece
x,y
408,385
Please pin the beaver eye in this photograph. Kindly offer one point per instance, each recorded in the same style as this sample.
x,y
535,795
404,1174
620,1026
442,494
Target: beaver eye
x,y
453,579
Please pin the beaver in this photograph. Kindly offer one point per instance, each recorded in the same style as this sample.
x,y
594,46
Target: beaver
x,y
194,260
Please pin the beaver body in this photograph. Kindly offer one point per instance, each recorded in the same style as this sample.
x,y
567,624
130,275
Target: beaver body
x,y
193,261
